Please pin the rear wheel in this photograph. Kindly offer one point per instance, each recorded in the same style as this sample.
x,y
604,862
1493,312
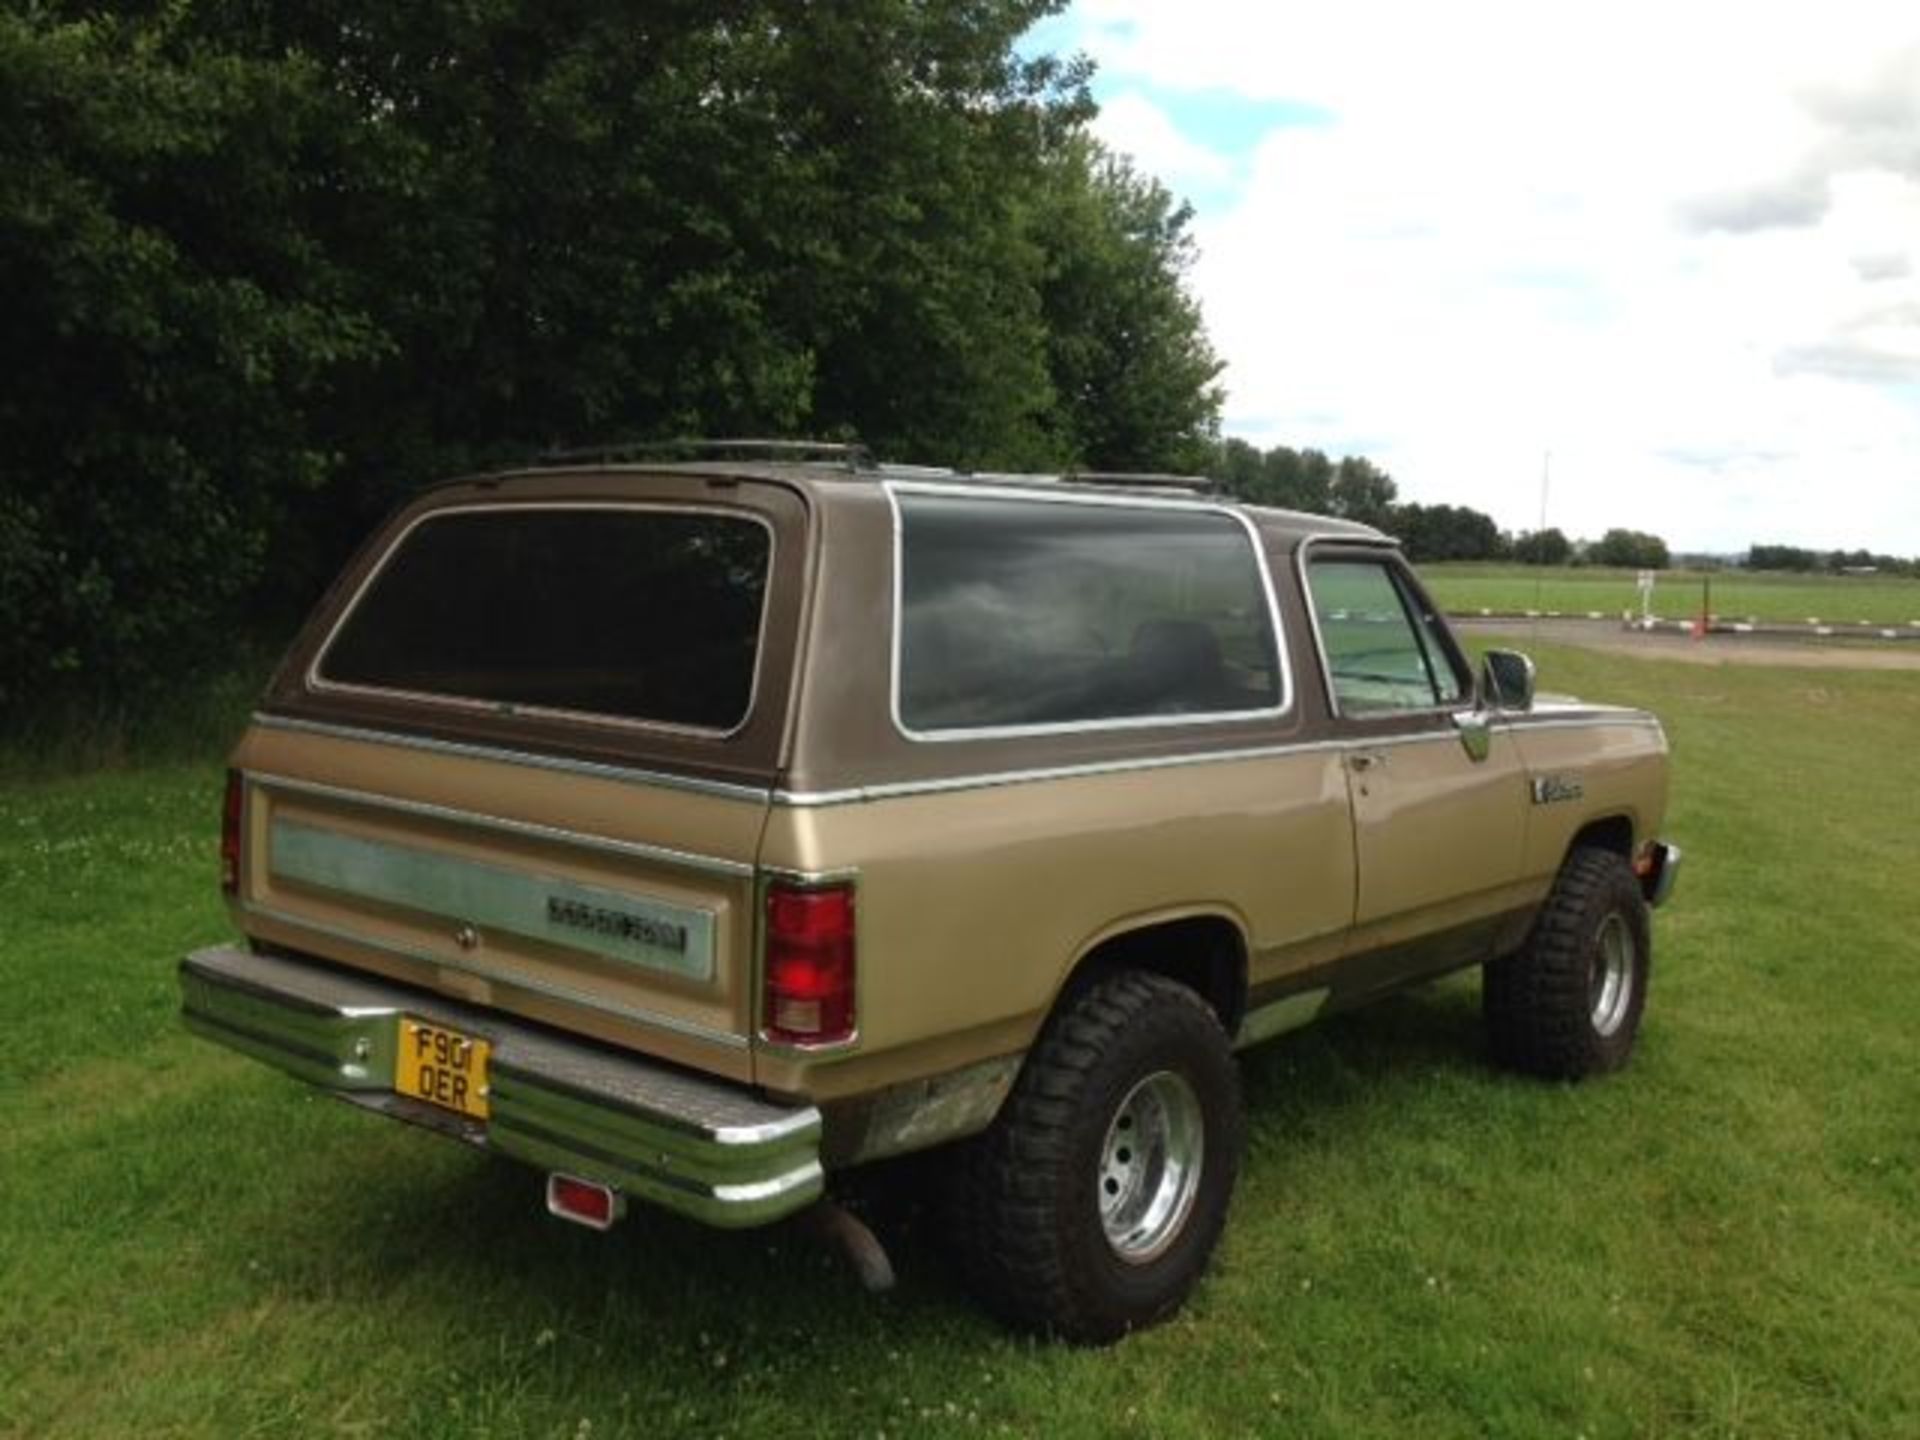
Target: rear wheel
x,y
1568,1004
1092,1205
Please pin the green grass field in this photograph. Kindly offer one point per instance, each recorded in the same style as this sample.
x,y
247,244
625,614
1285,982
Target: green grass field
x,y
1678,594
1722,1241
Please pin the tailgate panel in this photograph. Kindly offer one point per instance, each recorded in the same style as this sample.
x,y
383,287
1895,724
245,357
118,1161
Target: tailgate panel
x,y
559,901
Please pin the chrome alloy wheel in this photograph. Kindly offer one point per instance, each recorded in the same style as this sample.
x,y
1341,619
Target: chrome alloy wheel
x,y
1150,1166
1610,985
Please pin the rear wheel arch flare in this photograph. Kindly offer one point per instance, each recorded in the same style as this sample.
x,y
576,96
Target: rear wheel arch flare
x,y
1206,952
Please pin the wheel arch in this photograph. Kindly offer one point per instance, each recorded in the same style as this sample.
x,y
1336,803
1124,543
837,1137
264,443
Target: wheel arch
x,y
1614,832
1203,948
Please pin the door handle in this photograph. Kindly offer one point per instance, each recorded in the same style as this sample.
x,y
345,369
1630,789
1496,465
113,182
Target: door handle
x,y
1364,760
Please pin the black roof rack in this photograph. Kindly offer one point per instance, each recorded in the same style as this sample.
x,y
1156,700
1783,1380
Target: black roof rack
x,y
855,458
852,455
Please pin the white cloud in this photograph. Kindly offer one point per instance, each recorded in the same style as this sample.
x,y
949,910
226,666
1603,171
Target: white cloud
x,y
1132,124
1676,246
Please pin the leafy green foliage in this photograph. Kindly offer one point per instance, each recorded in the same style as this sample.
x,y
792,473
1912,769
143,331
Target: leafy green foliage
x,y
170,322
1445,532
1281,477
1630,548
1542,547
1131,369
1363,492
1355,489
271,266
1793,557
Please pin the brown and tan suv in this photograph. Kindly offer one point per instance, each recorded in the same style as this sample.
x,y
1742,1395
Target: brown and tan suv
x,y
693,831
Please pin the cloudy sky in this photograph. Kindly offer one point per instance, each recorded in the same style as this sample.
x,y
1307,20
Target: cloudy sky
x,y
1675,246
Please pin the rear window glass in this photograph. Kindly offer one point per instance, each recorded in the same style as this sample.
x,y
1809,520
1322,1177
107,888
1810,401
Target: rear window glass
x,y
1028,613
637,614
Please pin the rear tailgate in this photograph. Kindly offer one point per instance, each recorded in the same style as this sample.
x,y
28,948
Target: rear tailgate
x,y
523,754
632,922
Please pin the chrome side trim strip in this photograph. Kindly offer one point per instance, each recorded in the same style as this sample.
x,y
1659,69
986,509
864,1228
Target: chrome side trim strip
x,y
900,789
632,849
630,775
853,795
1596,718
564,993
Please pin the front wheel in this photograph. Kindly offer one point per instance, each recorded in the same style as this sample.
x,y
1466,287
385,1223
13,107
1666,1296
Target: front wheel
x,y
1568,1004
1091,1206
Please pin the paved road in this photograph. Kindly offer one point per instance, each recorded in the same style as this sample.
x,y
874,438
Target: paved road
x,y
1611,636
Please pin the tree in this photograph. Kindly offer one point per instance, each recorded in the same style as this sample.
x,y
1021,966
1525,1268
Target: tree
x,y
1445,532
1781,557
1362,491
270,266
1629,549
1543,547
172,323
1284,478
1131,368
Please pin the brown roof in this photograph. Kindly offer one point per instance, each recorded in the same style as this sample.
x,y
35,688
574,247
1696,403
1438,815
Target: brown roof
x,y
822,477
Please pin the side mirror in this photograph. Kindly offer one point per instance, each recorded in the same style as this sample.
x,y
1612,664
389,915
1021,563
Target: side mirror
x,y
1506,680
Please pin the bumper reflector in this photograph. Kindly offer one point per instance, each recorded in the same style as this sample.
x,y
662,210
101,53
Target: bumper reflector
x,y
583,1202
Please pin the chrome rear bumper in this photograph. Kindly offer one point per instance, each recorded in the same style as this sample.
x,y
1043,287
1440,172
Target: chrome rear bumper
x,y
701,1147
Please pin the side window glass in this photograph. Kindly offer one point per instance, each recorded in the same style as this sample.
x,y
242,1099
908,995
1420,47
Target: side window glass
x,y
1381,656
1019,613
1449,685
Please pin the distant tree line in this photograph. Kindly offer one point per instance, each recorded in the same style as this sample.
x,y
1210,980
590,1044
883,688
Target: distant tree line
x,y
1792,557
1357,489
269,266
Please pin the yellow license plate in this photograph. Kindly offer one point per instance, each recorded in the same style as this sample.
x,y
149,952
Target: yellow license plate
x,y
442,1067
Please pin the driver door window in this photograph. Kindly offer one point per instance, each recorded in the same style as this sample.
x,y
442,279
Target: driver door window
x,y
1382,654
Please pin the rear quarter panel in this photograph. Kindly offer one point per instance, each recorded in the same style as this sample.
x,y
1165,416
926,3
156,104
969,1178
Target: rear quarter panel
x,y
974,905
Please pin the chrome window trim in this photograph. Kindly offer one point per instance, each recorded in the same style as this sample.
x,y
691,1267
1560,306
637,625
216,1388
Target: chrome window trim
x,y
1283,661
686,1029
630,849
600,770
1437,714
318,684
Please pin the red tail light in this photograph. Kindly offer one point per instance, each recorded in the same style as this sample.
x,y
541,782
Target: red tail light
x,y
230,834
809,998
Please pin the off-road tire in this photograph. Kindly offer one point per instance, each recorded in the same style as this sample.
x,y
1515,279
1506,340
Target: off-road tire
x,y
1028,1207
1547,1007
